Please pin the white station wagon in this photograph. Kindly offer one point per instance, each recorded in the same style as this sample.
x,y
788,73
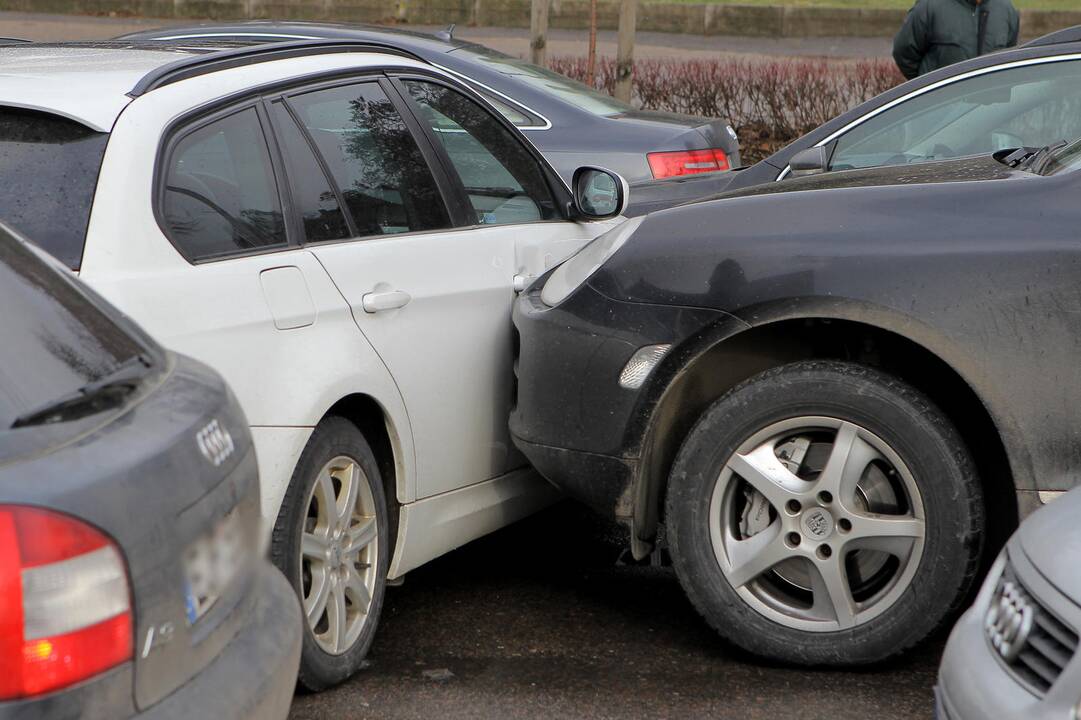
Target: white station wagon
x,y
339,229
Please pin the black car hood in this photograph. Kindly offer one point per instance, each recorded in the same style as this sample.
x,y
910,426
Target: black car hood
x,y
982,167
1051,539
864,213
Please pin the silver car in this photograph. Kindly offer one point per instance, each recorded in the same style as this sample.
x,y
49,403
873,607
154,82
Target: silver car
x,y
1013,655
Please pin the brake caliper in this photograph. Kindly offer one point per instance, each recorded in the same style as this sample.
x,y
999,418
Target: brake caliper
x,y
756,515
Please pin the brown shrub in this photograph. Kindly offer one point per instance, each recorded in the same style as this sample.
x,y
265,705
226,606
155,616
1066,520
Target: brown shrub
x,y
769,104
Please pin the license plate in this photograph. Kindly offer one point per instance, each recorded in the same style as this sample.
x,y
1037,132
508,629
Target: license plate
x,y
211,563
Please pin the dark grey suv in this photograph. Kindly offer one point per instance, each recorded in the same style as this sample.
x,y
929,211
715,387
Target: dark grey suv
x,y
832,398
129,582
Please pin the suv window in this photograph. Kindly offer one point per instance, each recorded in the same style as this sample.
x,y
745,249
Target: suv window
x,y
1033,105
374,159
221,197
48,171
504,181
57,338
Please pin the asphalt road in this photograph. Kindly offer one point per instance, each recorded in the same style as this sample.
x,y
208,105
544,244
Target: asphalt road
x,y
539,621
39,26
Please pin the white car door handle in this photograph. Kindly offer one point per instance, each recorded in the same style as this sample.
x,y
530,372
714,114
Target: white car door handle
x,y
521,281
377,301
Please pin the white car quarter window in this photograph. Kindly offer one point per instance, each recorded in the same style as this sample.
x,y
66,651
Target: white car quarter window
x,y
220,195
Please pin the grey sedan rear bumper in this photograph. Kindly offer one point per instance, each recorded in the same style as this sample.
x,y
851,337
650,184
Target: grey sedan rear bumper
x,y
255,676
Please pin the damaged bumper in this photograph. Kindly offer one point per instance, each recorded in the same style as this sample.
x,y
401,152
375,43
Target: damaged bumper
x,y
574,420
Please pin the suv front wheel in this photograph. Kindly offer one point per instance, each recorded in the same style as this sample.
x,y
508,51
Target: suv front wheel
x,y
824,513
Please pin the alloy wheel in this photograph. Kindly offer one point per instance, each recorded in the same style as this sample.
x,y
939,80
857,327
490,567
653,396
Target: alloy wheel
x,y
339,554
817,523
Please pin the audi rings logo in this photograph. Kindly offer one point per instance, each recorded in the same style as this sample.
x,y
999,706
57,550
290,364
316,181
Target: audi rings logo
x,y
1009,620
215,443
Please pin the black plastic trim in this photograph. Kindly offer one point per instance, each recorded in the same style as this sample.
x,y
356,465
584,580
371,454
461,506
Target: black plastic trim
x,y
194,66
290,169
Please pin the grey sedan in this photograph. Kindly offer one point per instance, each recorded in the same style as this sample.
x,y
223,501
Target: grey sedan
x,y
129,506
1013,656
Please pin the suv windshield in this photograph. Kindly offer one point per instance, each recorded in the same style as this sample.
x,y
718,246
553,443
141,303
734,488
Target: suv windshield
x,y
1065,159
63,356
48,171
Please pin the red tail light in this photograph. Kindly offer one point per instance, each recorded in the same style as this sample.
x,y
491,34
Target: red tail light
x,y
686,162
65,612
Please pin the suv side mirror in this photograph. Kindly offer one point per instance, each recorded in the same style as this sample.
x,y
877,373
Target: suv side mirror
x,y
809,161
599,194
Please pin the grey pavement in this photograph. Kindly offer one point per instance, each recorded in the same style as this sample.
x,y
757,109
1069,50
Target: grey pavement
x,y
514,41
538,621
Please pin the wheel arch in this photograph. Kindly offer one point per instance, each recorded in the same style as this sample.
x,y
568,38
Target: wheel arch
x,y
721,357
377,427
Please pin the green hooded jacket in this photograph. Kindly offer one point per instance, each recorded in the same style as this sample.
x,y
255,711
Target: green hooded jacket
x,y
937,33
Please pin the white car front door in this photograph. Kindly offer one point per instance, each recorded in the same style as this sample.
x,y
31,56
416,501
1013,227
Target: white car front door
x,y
506,193
431,296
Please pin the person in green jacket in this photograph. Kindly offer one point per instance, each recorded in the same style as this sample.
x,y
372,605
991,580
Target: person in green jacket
x,y
937,33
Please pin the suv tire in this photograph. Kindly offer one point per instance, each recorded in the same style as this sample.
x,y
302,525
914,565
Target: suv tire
x,y
806,575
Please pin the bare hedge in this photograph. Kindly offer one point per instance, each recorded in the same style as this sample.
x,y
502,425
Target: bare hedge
x,y
768,103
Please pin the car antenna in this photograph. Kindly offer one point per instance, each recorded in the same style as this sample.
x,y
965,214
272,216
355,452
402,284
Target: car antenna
x,y
448,34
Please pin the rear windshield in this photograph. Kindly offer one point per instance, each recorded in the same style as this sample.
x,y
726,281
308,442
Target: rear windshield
x,y
560,86
48,171
55,336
